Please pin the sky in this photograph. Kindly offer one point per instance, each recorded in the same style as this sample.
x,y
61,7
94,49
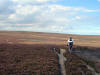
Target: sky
x,y
54,16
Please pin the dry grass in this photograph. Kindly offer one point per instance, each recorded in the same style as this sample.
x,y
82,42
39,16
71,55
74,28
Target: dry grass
x,y
47,38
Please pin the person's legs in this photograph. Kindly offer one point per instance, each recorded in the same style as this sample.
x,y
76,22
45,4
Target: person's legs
x,y
71,48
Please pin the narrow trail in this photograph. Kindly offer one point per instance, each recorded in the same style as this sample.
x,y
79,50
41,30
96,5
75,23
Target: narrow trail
x,y
62,60
93,71
81,54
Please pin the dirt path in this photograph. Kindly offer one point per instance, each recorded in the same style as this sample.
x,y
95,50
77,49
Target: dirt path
x,y
62,60
93,71
90,55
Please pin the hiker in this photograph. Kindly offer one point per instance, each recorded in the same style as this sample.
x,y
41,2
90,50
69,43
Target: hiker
x,y
70,44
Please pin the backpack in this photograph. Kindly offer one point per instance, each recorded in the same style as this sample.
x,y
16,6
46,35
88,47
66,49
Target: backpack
x,y
71,43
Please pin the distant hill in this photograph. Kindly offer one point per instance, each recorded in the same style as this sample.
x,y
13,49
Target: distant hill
x,y
23,37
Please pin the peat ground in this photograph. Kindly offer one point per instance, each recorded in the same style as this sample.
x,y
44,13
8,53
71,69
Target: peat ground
x,y
20,59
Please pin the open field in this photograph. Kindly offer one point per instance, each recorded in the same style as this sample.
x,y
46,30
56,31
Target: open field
x,y
47,38
32,53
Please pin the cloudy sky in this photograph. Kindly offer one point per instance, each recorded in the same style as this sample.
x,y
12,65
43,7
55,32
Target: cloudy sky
x,y
58,16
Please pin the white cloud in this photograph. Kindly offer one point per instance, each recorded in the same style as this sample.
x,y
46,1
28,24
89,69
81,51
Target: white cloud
x,y
99,0
29,15
78,17
32,1
46,16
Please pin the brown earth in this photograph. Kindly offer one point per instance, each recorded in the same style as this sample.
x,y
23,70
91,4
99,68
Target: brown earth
x,y
91,55
18,59
47,38
32,52
76,66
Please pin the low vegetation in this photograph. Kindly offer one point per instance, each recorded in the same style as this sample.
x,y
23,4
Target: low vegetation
x,y
90,63
28,60
75,66
91,51
19,59
31,53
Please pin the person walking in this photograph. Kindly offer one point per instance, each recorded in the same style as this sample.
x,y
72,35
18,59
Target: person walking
x,y
70,44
